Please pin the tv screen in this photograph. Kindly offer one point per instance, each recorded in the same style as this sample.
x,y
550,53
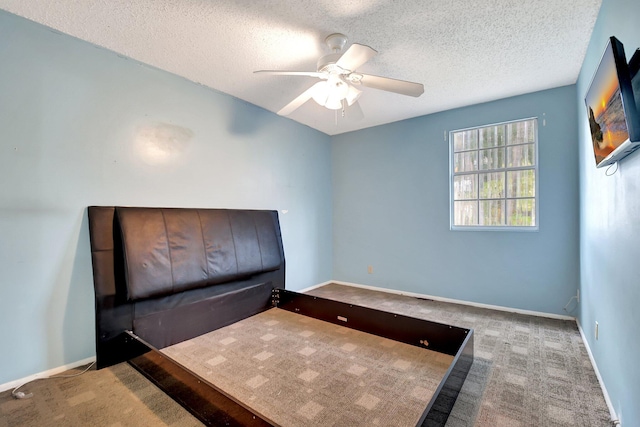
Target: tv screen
x,y
611,107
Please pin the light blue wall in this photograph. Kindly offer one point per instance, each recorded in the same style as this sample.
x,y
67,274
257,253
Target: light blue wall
x,y
391,210
81,126
610,234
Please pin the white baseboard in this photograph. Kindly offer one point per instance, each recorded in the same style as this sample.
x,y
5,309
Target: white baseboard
x,y
442,299
607,399
45,374
310,288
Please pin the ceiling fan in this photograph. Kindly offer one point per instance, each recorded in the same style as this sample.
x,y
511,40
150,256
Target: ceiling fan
x,y
338,88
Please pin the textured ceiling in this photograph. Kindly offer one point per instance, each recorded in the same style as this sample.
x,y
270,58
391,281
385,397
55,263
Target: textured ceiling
x,y
464,52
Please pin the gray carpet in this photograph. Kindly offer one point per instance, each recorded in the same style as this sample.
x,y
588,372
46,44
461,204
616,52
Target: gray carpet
x,y
298,371
528,371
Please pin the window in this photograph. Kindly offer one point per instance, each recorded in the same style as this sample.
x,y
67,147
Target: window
x,y
494,177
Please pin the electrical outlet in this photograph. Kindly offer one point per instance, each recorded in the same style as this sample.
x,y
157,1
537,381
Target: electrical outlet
x,y
370,269
596,330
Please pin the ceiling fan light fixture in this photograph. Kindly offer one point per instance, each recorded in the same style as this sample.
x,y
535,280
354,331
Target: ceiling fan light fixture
x,y
332,92
320,93
333,103
337,87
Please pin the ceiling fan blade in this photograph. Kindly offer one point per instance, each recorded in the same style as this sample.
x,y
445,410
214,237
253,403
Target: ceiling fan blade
x,y
291,73
392,85
355,56
354,112
297,102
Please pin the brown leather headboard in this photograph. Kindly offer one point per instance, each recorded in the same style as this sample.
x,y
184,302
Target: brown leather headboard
x,y
167,251
169,274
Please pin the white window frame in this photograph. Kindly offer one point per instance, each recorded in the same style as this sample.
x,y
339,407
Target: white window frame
x,y
452,174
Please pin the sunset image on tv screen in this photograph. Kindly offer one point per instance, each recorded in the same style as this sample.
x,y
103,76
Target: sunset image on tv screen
x,y
607,122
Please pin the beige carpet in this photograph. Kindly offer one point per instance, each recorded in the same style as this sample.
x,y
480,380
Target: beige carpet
x,y
299,371
528,371
115,397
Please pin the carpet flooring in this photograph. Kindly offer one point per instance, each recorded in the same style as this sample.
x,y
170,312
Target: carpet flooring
x,y
528,371
327,374
115,397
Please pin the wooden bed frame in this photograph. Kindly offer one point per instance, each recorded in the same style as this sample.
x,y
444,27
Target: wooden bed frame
x,y
166,275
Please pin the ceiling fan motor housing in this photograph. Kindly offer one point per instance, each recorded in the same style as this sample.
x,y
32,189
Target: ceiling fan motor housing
x,y
328,63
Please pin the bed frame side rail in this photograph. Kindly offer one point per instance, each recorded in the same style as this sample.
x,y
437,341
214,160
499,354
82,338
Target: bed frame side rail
x,y
447,339
205,401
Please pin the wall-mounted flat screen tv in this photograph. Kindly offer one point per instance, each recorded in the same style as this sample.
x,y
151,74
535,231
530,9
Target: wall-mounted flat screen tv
x,y
611,108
